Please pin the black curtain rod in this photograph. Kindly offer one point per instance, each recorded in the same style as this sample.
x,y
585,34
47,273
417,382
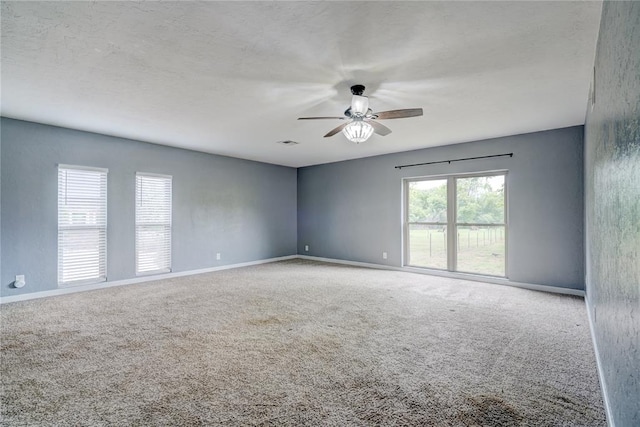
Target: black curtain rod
x,y
454,160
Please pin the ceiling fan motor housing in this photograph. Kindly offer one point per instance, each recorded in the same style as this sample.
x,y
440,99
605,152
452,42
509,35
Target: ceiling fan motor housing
x,y
357,90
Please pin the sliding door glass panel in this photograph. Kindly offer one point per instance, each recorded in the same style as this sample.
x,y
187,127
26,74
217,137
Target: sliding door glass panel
x,y
481,250
427,223
428,246
480,225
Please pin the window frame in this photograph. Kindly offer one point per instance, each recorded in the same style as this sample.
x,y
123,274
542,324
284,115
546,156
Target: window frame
x,y
452,216
102,255
169,268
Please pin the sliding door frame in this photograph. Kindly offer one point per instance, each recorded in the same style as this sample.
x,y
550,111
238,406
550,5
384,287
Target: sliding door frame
x,y
452,214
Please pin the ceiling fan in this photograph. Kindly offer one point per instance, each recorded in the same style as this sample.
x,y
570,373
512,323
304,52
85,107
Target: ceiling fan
x,y
362,121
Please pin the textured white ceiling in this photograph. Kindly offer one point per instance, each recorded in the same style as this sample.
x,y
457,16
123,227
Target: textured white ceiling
x,y
232,77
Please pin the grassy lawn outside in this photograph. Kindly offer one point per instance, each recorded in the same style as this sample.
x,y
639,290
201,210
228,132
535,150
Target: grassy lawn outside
x,y
480,250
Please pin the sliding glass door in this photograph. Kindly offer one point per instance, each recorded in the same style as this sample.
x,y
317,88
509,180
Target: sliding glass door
x,y
457,223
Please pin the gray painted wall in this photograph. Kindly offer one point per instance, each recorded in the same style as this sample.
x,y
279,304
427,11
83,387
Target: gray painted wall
x,y
0,200
352,210
245,210
612,199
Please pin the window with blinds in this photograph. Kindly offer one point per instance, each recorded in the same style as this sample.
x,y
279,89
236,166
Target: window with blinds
x,y
82,225
153,223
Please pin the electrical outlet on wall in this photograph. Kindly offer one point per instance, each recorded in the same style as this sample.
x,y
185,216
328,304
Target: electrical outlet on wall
x,y
218,256
306,248
384,255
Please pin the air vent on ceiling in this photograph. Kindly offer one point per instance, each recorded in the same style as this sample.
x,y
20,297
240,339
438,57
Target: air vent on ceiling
x,y
288,142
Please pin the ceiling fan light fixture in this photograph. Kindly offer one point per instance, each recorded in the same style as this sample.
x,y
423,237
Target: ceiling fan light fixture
x,y
359,105
358,131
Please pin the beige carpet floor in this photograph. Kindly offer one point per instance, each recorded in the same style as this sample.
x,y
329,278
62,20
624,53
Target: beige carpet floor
x,y
300,343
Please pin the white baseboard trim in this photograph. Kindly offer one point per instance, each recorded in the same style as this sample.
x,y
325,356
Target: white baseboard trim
x,y
603,384
462,276
354,263
104,285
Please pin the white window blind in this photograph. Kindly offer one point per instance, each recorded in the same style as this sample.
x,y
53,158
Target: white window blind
x,y
153,223
82,225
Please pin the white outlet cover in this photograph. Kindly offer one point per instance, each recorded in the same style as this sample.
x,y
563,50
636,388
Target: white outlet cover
x,y
306,247
218,256
384,255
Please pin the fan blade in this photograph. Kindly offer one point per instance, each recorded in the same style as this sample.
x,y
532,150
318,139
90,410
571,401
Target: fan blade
x,y
336,130
379,128
321,118
398,114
